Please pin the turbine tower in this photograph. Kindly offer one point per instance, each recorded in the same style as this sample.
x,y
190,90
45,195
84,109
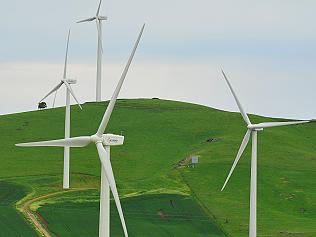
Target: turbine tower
x,y
69,91
103,143
98,19
252,130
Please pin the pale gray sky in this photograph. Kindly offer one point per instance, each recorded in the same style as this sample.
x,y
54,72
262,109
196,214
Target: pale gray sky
x,y
266,47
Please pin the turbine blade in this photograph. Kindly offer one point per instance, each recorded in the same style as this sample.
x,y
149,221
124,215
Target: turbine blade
x,y
72,93
277,124
54,98
110,107
244,115
71,142
86,20
106,163
240,152
98,11
52,91
66,57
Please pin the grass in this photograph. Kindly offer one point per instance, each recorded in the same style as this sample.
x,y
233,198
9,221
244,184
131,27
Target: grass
x,y
158,134
11,222
146,215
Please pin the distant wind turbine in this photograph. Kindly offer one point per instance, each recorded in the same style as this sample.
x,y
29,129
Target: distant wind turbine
x,y
252,129
98,20
103,143
67,83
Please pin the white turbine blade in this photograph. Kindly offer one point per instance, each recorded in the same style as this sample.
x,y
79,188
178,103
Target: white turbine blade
x,y
277,124
54,98
106,163
72,93
243,113
98,11
66,57
110,107
86,20
71,142
99,33
240,152
52,91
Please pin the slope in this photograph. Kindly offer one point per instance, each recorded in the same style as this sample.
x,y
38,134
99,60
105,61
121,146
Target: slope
x,y
159,134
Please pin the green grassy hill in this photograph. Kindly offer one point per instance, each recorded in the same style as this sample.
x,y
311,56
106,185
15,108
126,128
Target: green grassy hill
x,y
158,135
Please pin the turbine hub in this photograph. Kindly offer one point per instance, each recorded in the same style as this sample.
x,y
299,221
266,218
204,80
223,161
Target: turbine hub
x,y
96,139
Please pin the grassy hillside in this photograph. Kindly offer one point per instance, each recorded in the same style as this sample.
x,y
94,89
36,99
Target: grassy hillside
x,y
159,134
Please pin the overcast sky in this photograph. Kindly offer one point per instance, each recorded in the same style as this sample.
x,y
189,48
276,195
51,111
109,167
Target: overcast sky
x,y
267,49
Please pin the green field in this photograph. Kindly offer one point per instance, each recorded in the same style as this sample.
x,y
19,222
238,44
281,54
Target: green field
x,y
147,215
158,135
12,222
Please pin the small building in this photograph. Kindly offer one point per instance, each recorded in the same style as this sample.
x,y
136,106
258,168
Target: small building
x,y
194,161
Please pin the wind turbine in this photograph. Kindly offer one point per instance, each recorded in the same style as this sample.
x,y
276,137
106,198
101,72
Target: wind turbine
x,y
252,130
67,83
103,143
98,20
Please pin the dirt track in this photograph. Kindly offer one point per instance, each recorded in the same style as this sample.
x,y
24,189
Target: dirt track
x,y
32,216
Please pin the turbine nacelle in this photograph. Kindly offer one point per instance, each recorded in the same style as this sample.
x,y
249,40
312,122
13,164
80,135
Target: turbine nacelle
x,y
112,140
70,81
255,127
102,18
108,139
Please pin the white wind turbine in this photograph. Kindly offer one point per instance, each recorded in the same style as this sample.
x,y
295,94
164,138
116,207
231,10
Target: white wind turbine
x,y
252,129
98,20
67,82
103,143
